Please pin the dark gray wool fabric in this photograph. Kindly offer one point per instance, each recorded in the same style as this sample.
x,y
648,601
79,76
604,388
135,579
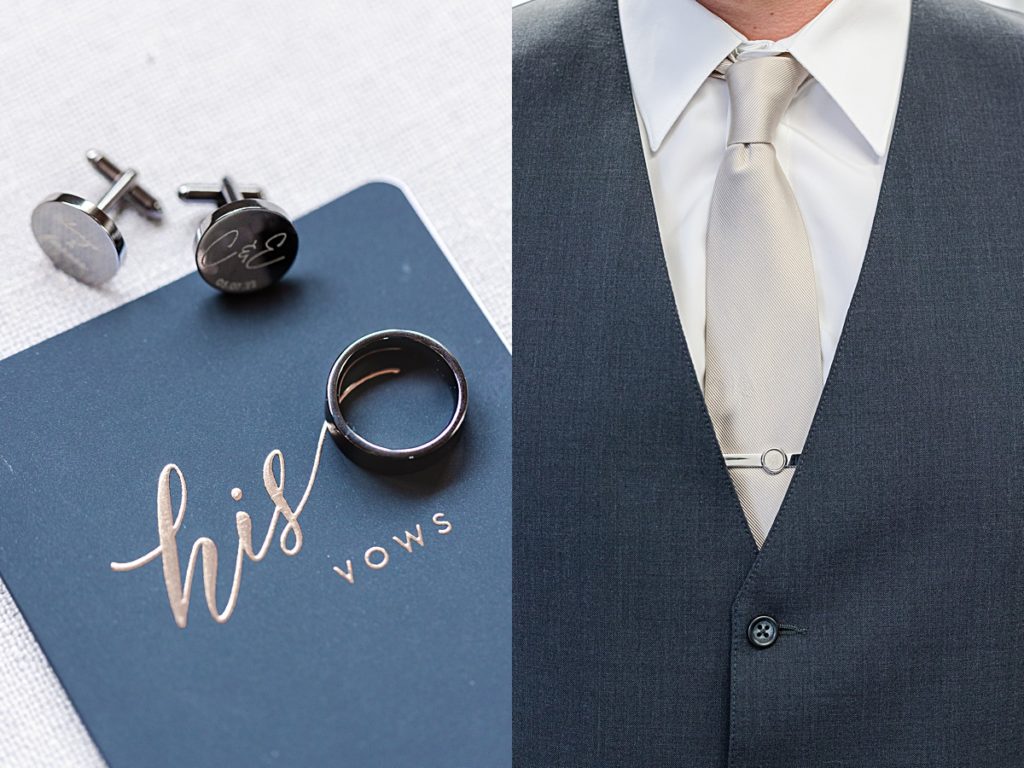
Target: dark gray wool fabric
x,y
897,560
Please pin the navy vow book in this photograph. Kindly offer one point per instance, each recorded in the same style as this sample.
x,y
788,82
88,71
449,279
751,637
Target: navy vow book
x,y
373,629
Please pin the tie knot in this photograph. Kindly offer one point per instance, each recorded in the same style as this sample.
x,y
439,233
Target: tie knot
x,y
760,90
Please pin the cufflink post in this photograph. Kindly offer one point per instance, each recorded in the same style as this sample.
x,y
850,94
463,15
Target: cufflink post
x,y
222,194
149,205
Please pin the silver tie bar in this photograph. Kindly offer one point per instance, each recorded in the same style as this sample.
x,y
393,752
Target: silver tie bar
x,y
772,461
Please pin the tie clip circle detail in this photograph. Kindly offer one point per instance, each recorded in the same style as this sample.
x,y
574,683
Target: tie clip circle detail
x,y
772,461
387,352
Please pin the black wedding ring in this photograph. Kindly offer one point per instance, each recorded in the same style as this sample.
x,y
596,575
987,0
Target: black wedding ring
x,y
389,352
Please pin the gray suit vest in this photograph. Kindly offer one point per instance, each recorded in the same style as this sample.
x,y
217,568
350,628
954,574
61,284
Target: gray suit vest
x,y
896,564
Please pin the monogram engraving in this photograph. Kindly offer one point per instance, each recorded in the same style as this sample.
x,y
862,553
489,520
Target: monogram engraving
x,y
168,524
74,237
69,244
252,255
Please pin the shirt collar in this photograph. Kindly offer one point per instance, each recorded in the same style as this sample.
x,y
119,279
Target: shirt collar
x,y
855,49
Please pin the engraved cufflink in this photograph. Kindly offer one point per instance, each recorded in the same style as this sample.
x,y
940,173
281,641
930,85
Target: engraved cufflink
x,y
247,244
80,237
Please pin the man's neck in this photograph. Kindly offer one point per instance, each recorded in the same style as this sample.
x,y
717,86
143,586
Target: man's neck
x,y
765,19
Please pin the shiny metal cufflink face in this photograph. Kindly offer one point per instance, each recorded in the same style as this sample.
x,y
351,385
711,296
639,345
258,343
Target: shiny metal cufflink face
x,y
80,237
247,244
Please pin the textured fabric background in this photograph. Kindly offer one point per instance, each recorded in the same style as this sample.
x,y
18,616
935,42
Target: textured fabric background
x,y
306,99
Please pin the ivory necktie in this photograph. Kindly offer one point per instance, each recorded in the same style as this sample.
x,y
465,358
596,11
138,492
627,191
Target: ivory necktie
x,y
763,373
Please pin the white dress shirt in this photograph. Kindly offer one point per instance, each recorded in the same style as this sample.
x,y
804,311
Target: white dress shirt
x,y
832,143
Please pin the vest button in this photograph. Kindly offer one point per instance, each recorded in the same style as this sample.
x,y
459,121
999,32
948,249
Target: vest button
x,y
762,632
